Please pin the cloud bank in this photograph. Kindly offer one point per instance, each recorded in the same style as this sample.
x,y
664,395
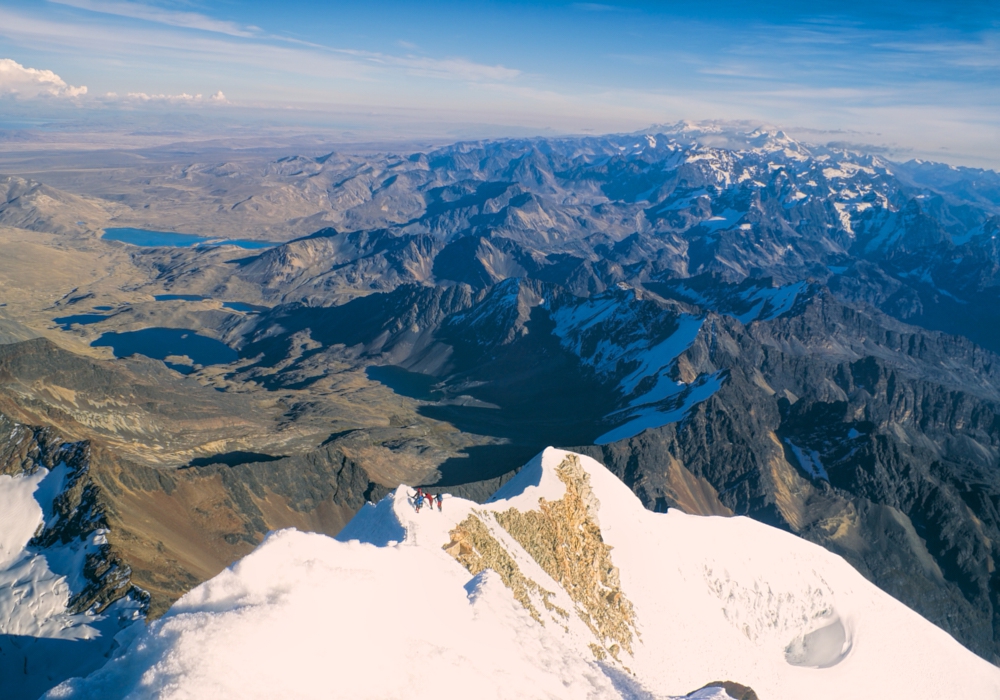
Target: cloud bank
x,y
32,83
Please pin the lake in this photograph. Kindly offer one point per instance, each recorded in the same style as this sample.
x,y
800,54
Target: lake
x,y
169,239
158,343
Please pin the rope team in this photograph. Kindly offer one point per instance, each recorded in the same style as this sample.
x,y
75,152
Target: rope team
x,y
422,496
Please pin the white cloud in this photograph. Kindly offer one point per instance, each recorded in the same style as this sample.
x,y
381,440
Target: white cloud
x,y
138,10
138,97
594,7
145,97
162,98
28,83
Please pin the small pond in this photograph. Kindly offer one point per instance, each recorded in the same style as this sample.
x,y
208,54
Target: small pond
x,y
83,319
179,297
245,308
169,239
234,305
159,343
405,383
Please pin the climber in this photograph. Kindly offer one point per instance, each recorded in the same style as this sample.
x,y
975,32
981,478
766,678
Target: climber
x,y
440,497
419,500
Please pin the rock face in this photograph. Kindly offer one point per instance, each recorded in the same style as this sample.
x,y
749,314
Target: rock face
x,y
564,538
734,690
77,513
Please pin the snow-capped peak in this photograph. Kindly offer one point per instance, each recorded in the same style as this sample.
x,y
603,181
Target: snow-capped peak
x,y
729,135
561,586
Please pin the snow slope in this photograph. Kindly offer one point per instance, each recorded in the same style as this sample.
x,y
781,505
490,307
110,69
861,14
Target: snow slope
x,y
392,609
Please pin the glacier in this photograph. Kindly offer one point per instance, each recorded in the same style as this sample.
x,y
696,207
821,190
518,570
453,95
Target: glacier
x,y
41,640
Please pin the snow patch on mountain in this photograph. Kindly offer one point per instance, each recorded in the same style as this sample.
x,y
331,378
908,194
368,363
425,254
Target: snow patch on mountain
x,y
402,605
724,220
746,302
770,302
638,344
616,337
810,461
668,402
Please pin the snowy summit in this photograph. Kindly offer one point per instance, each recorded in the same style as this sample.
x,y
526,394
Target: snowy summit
x,y
562,586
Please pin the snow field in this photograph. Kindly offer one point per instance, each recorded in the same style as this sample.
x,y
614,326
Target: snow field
x,y
727,597
20,514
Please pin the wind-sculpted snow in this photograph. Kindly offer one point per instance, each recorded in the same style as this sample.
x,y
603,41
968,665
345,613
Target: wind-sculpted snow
x,y
429,615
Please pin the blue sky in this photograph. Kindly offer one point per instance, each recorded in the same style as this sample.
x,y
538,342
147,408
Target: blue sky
x,y
923,76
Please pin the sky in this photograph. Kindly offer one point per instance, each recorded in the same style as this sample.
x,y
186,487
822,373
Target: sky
x,y
917,77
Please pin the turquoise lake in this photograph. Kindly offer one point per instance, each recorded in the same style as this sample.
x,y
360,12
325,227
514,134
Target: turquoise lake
x,y
169,239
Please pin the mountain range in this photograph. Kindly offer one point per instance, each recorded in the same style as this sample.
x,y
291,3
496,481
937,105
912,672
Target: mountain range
x,y
732,322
